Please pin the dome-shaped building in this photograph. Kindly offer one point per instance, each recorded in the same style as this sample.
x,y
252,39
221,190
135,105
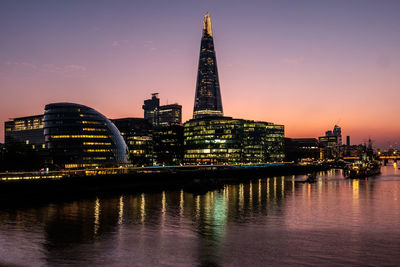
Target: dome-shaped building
x,y
80,137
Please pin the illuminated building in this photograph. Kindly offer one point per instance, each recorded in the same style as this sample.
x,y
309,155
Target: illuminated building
x,y
168,145
337,131
151,145
165,115
208,97
79,136
25,130
224,140
170,115
328,141
301,149
329,147
331,143
150,108
275,144
137,133
211,138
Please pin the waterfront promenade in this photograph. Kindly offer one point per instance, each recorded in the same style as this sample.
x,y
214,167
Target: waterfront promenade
x,y
70,183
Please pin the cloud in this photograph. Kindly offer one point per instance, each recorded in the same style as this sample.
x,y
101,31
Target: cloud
x,y
149,44
118,43
75,67
21,64
292,61
65,70
59,68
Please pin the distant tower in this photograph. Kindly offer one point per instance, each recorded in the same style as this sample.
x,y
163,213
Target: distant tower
x,y
337,131
208,97
150,108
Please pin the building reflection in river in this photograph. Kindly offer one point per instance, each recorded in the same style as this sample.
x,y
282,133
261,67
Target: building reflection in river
x,y
153,225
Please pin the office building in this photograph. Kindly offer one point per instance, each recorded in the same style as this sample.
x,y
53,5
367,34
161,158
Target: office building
x,y
25,130
137,133
78,136
301,149
331,143
165,115
208,97
151,145
224,140
275,144
170,115
211,138
168,145
337,131
150,108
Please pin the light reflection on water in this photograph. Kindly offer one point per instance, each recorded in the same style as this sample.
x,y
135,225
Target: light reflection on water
x,y
274,220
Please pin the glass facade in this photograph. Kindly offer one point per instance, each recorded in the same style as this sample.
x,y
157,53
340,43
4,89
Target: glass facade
x,y
168,145
151,145
150,108
25,130
275,142
170,115
165,115
78,136
224,140
208,96
137,133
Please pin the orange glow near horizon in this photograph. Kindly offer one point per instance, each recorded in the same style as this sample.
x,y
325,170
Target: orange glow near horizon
x,y
303,68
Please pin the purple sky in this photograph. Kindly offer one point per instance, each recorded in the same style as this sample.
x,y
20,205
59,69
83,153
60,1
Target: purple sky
x,y
304,64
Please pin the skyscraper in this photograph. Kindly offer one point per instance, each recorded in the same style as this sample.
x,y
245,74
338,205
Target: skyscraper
x,y
208,96
165,115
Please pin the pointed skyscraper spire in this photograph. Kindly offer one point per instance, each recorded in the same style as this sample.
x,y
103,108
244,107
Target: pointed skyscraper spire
x,y
208,97
207,24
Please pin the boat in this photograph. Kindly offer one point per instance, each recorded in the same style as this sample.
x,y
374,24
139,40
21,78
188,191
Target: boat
x,y
365,166
362,169
311,178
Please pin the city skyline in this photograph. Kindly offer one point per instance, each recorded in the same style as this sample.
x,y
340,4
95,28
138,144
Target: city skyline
x,y
309,66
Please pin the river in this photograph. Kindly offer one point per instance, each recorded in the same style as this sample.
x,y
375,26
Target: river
x,y
265,221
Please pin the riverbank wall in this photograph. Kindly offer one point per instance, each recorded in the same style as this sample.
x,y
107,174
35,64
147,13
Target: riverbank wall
x,y
196,179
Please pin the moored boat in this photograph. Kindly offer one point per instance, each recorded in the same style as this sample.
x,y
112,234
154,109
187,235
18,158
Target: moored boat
x,y
362,169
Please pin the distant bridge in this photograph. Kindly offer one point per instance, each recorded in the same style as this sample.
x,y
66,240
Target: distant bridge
x,y
396,157
387,158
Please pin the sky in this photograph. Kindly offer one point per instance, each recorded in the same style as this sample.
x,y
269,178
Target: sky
x,y
306,64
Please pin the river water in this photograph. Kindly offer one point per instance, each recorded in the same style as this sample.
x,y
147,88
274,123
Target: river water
x,y
266,221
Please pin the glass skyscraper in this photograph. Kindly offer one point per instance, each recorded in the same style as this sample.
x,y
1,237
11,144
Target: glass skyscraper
x,y
208,97
211,138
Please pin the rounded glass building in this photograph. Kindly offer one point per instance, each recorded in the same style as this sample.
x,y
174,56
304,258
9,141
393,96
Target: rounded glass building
x,y
80,137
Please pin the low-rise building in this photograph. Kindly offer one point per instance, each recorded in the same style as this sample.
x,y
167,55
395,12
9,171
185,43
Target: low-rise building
x,y
25,130
224,140
80,137
302,149
137,133
168,145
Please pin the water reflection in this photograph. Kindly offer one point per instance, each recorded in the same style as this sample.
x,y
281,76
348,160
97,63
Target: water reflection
x,y
168,228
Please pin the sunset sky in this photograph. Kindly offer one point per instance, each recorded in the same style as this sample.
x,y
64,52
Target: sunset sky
x,y
306,64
